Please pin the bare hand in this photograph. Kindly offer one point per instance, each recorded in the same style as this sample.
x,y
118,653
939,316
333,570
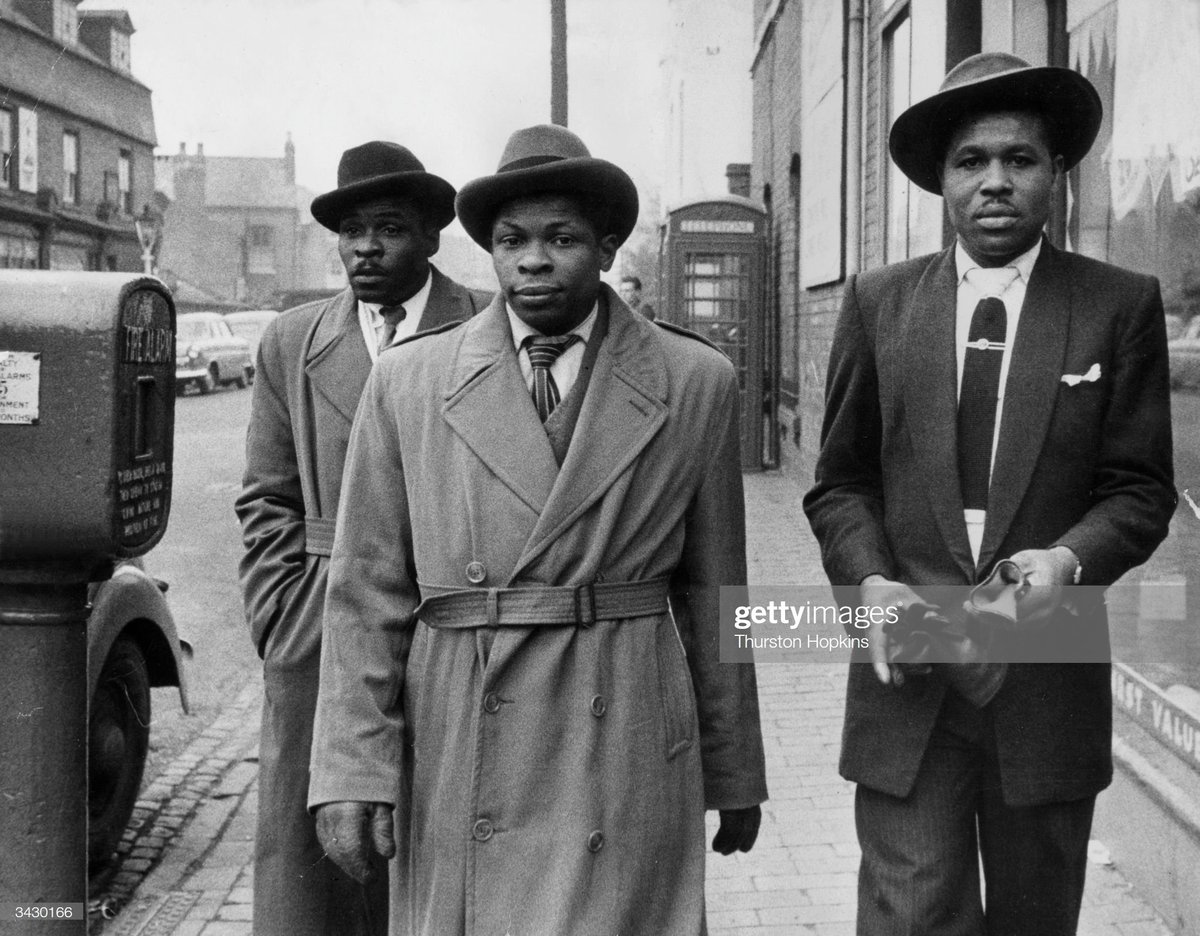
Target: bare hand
x,y
1046,573
353,833
739,830
875,591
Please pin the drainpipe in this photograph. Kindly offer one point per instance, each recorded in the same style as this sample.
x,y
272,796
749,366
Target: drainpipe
x,y
855,64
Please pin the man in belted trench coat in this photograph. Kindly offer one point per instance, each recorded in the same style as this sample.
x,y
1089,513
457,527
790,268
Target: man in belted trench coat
x,y
523,614
313,361
1070,477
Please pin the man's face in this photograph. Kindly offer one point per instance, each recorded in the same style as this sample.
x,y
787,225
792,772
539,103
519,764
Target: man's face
x,y
630,294
999,179
385,246
548,260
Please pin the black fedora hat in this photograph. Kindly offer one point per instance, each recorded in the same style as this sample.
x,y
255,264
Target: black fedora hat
x,y
542,159
996,81
377,169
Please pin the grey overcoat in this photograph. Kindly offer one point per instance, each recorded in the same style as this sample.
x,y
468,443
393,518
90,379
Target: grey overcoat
x,y
557,775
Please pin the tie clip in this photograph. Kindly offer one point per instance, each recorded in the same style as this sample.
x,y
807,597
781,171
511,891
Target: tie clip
x,y
982,344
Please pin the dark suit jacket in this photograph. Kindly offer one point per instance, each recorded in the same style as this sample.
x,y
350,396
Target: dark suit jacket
x,y
1086,466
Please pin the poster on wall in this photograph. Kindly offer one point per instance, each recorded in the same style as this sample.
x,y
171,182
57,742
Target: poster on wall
x,y
27,135
822,94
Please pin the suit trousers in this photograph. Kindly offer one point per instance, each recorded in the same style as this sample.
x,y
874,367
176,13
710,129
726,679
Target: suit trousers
x,y
921,854
298,891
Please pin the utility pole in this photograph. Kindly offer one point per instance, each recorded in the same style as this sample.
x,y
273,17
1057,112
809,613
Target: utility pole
x,y
558,62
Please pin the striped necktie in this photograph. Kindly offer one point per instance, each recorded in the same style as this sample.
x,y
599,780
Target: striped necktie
x,y
392,316
543,351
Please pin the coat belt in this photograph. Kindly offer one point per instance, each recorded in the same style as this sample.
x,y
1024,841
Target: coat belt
x,y
537,605
318,535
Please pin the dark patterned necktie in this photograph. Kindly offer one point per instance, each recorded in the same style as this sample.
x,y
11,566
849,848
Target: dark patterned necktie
x,y
979,394
392,317
543,351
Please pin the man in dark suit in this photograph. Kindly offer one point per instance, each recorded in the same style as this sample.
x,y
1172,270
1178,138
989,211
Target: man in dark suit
x,y
1001,399
313,362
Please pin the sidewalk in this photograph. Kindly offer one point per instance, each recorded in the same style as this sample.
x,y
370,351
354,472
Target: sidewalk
x,y
188,870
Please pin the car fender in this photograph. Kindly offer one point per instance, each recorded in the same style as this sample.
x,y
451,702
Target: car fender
x,y
132,600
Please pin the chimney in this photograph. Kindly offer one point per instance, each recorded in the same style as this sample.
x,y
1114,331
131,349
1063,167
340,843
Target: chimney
x,y
737,176
289,160
200,151
182,149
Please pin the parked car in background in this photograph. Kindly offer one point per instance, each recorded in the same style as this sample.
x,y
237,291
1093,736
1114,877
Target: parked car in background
x,y
251,325
208,354
133,645
1184,352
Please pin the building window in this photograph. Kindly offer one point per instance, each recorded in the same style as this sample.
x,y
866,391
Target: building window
x,y
70,191
260,249
66,22
7,172
898,74
125,181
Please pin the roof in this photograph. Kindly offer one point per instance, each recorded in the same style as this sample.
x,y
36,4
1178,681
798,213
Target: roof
x,y
119,18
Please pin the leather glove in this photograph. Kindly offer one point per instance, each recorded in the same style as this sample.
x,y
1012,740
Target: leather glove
x,y
875,591
1046,572
738,831
353,833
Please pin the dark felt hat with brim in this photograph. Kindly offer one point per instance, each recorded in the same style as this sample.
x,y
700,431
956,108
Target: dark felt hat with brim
x,y
379,169
548,159
990,82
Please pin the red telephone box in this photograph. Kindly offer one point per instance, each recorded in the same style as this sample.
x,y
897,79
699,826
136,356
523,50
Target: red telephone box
x,y
713,262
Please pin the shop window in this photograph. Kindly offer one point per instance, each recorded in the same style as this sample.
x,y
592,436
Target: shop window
x,y
260,249
18,253
70,189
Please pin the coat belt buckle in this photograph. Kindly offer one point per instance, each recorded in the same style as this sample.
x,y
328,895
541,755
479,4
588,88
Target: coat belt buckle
x,y
585,604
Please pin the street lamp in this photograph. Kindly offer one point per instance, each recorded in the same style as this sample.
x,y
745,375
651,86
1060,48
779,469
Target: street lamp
x,y
149,234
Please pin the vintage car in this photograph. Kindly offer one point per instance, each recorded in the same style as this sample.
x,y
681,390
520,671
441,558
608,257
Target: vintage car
x,y
133,645
1184,352
251,325
208,354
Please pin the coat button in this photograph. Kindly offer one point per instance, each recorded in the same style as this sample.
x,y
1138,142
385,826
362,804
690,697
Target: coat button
x,y
596,841
598,706
476,572
491,703
482,831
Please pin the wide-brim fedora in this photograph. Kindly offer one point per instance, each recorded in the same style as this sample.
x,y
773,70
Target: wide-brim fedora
x,y
547,159
378,169
989,82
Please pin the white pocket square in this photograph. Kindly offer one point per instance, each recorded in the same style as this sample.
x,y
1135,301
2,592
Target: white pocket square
x,y
1092,375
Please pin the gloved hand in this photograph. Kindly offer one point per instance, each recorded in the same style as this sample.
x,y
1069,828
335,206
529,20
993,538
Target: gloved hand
x,y
739,830
353,833
875,591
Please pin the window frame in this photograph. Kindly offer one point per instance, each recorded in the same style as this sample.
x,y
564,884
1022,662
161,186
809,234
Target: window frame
x,y
71,189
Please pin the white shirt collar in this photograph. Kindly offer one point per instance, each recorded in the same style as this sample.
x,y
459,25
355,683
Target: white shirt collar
x,y
1023,264
414,305
521,331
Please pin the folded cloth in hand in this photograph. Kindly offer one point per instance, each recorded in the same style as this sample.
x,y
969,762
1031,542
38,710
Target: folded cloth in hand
x,y
959,642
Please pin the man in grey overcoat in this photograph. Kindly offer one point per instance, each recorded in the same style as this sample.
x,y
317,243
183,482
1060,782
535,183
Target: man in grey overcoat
x,y
523,599
312,364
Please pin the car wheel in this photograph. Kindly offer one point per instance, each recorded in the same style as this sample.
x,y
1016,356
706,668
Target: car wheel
x,y
246,378
118,738
208,383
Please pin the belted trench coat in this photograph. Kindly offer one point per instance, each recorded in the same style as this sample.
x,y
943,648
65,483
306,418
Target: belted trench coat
x,y
548,779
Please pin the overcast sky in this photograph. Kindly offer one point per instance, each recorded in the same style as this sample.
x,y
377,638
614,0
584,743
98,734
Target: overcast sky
x,y
448,78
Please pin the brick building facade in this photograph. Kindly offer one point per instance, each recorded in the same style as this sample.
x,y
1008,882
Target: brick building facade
x,y
76,138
